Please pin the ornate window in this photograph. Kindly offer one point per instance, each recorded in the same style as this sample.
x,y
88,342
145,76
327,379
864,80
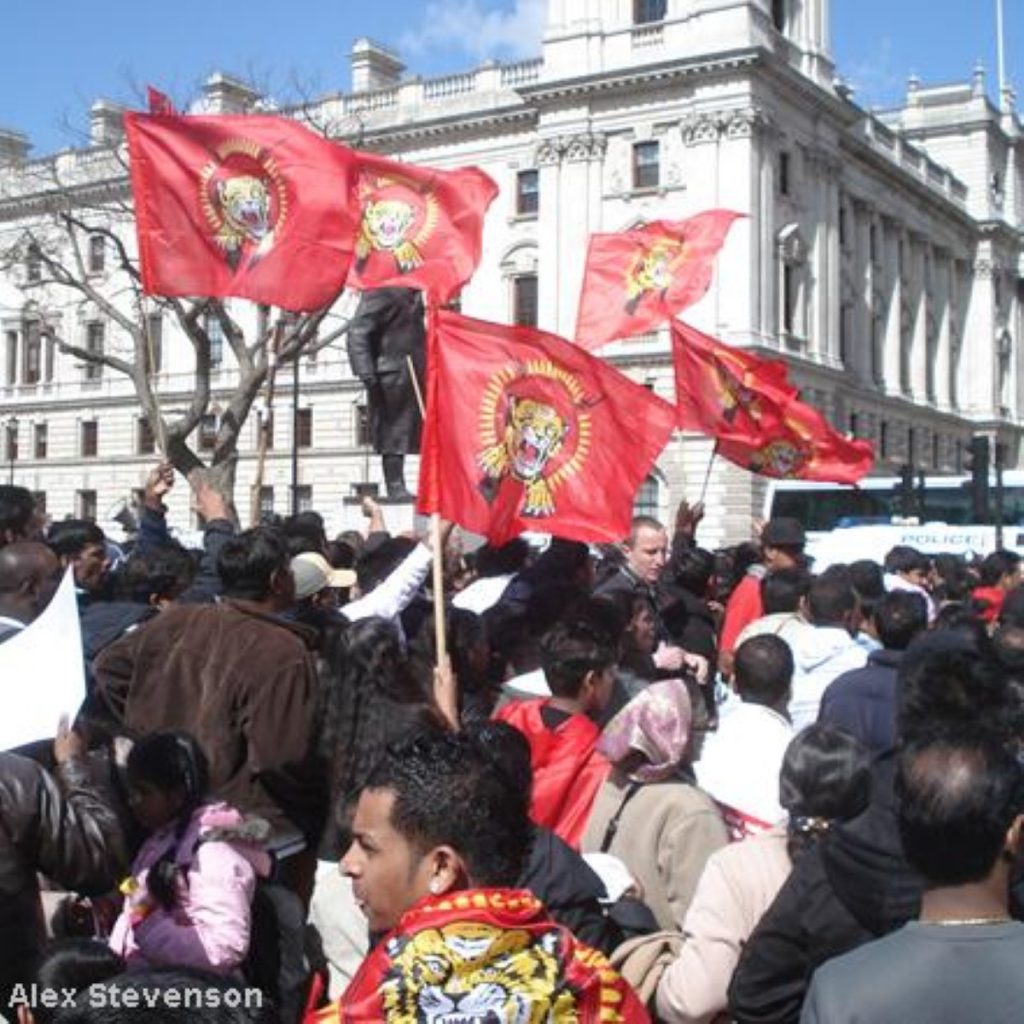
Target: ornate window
x,y
646,165
527,193
792,250
524,300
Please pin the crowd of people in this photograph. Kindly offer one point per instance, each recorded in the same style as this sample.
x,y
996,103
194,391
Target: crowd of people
x,y
647,781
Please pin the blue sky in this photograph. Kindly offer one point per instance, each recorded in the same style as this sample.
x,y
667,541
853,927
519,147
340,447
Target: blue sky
x,y
61,55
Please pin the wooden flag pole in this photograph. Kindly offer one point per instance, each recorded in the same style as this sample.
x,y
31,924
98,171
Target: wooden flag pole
x,y
707,474
445,693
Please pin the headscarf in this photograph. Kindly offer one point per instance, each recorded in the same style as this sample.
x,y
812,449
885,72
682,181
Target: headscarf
x,y
656,722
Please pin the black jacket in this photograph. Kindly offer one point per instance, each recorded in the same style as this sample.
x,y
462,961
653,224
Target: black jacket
x,y
854,886
863,702
59,826
570,889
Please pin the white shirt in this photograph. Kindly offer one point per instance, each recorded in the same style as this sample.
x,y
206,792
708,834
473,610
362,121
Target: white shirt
x,y
740,764
391,597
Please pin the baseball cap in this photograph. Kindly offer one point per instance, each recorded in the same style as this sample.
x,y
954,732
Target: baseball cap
x,y
312,573
783,532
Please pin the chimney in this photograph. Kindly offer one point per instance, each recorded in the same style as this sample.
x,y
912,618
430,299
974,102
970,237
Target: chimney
x,y
106,127
223,94
374,66
14,147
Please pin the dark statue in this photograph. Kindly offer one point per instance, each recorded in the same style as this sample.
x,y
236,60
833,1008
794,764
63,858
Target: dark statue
x,y
387,331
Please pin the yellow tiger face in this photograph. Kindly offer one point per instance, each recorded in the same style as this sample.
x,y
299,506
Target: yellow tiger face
x,y
245,206
652,271
386,222
470,972
779,458
534,434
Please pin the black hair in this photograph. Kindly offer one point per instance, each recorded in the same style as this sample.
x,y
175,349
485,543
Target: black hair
x,y
71,964
825,777
868,583
959,790
903,558
763,670
899,617
162,572
70,537
170,759
510,750
17,507
954,578
830,599
375,564
948,677
1011,613
692,569
447,791
304,532
563,561
248,562
148,995
500,561
782,589
996,565
569,651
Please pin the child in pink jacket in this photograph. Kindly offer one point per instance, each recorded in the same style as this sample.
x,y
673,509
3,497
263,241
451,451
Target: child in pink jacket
x,y
188,901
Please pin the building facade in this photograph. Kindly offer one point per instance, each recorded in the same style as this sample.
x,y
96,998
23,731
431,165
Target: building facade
x,y
881,254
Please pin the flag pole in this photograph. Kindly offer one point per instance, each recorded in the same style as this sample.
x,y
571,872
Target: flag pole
x,y
445,693
707,473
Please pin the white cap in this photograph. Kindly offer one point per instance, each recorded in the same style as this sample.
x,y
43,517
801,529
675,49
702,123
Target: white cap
x,y
313,573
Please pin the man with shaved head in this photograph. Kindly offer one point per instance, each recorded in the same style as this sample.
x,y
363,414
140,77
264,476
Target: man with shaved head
x,y
29,576
960,816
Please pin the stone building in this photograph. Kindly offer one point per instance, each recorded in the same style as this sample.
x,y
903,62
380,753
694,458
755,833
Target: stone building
x,y
881,254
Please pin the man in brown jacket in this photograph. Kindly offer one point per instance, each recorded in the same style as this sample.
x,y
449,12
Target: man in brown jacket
x,y
238,677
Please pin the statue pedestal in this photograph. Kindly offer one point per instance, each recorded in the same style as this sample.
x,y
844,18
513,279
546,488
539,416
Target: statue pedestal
x,y
400,515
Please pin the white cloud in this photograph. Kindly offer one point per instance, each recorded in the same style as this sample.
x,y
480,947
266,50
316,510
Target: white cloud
x,y
476,28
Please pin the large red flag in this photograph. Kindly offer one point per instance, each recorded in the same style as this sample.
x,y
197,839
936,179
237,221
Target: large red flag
x,y
756,417
419,227
638,279
254,206
724,390
526,431
804,447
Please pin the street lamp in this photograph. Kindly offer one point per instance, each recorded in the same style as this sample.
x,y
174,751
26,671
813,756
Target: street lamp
x,y
12,426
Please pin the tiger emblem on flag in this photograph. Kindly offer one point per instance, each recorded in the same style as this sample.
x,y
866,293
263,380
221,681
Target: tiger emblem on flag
x,y
782,458
398,217
535,430
244,199
652,271
475,972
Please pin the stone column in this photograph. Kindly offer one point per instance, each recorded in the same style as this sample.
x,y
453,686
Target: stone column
x,y
894,291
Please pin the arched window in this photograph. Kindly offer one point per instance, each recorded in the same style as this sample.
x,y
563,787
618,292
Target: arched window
x,y
792,250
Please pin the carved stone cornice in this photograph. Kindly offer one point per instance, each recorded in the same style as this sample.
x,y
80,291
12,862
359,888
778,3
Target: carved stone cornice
x,y
728,123
574,149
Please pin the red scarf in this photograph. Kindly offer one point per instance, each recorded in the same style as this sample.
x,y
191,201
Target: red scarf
x,y
483,954
567,768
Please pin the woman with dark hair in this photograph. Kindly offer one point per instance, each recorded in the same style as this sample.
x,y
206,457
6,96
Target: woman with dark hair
x,y
66,966
378,699
825,778
188,899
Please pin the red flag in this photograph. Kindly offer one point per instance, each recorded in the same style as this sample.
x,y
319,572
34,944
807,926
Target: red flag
x,y
805,447
159,102
419,227
638,279
724,390
254,206
526,431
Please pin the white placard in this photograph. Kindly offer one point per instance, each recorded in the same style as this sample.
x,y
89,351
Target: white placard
x,y
41,672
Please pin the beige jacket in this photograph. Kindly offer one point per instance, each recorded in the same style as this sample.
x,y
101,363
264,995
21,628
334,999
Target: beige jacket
x,y
738,885
665,835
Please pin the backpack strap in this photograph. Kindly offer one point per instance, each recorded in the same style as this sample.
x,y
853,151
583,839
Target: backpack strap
x,y
613,825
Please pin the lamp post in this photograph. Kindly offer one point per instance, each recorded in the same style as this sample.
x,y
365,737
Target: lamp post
x,y
12,426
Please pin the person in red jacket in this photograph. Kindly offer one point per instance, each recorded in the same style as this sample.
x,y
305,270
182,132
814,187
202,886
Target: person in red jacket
x,y
782,547
440,836
567,768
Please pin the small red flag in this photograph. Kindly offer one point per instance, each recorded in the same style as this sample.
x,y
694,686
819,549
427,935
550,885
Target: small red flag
x,y
254,206
159,102
526,431
724,390
419,227
638,279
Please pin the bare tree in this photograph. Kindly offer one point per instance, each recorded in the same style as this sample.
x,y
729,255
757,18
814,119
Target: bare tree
x,y
54,246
